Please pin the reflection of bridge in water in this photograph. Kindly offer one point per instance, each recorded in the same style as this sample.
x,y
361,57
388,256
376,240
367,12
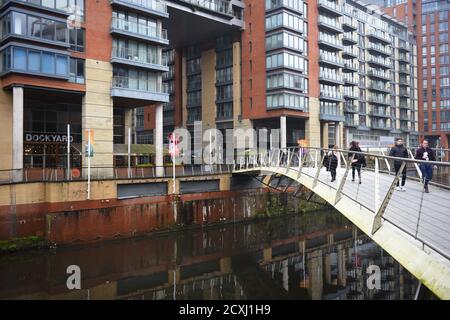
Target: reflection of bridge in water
x,y
414,227
317,256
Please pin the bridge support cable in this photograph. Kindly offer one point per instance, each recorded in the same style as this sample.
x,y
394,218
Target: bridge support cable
x,y
302,163
380,212
420,211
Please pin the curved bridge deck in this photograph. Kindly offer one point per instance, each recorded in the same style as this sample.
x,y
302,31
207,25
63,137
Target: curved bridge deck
x,y
412,226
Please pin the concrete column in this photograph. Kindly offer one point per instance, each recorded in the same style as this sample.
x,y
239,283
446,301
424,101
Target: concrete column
x,y
159,140
17,154
128,123
283,132
325,142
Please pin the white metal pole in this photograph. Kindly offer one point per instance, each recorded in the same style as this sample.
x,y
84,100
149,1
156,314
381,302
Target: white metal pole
x,y
89,165
129,152
173,162
377,185
68,152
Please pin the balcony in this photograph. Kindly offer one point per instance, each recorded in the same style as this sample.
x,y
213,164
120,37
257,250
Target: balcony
x,y
331,60
404,106
137,89
330,25
330,78
384,50
379,87
38,4
330,7
331,96
403,69
378,114
330,43
379,35
153,7
406,128
349,23
350,52
139,31
350,66
217,6
404,46
405,117
379,74
351,95
377,100
404,93
380,126
384,63
350,108
404,82
332,117
350,123
350,38
352,80
134,57
403,58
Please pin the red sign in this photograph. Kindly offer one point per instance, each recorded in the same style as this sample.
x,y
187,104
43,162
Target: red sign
x,y
173,145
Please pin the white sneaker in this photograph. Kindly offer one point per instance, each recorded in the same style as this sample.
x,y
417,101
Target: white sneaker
x,y
403,189
398,189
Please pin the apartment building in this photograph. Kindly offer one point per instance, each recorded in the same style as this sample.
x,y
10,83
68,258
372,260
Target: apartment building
x,y
323,72
429,20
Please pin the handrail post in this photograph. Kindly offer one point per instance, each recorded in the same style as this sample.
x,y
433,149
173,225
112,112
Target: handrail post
x,y
377,220
319,167
342,183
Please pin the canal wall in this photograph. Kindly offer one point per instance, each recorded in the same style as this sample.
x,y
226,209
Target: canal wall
x,y
59,213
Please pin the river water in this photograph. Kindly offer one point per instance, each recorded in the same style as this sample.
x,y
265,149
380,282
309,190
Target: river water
x,y
316,254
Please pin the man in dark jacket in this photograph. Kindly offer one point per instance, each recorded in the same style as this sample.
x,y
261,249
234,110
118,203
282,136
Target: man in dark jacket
x,y
425,153
399,151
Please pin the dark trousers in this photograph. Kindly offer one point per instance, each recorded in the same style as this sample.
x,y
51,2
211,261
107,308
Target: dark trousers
x,y
427,173
333,173
356,168
397,166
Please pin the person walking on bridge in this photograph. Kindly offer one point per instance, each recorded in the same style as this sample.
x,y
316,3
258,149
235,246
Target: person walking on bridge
x,y
425,153
332,161
399,151
358,160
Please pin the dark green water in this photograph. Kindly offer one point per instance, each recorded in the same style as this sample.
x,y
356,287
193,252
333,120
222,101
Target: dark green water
x,y
315,255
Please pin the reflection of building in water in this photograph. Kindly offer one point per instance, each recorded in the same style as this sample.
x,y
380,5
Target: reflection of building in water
x,y
300,257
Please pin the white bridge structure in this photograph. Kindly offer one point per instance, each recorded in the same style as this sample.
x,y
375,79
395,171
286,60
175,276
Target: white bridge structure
x,y
412,226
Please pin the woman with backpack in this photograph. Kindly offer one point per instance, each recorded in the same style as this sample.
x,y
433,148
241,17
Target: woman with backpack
x,y
358,160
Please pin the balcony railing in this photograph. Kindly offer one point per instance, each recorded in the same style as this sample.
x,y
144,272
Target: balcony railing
x,y
379,87
137,56
379,35
330,41
351,51
219,6
379,74
330,23
379,48
330,77
350,37
147,5
404,93
350,66
403,46
330,6
350,107
137,84
380,114
331,59
139,29
347,21
331,95
377,100
383,62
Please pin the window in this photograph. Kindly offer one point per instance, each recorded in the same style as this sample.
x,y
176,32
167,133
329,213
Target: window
x,y
48,63
20,58
76,70
76,39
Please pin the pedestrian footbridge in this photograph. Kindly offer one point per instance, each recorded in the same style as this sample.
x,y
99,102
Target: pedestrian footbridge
x,y
412,226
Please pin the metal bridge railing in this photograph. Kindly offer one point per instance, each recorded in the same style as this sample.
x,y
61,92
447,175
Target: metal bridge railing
x,y
30,175
423,216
